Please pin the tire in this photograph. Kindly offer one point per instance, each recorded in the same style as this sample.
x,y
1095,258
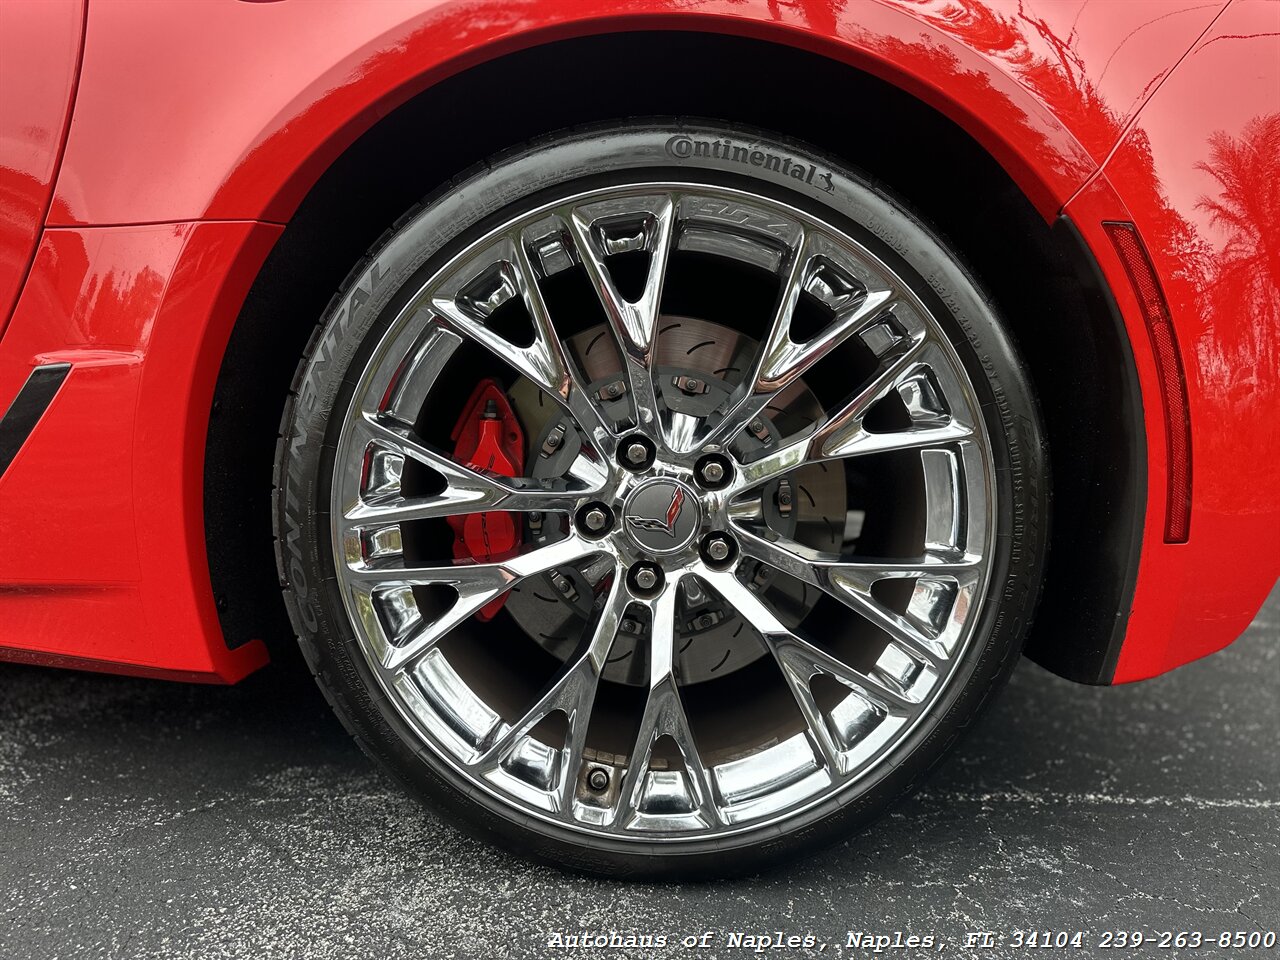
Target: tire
x,y
1011,470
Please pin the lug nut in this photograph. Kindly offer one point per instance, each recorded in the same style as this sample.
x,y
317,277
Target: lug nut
x,y
718,549
645,578
598,780
595,518
713,471
636,452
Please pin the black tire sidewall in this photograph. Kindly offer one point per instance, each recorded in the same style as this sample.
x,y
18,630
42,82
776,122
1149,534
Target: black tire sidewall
x,y
372,296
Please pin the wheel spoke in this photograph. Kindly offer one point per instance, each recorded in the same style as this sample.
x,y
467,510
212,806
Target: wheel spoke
x,y
572,693
544,360
456,501
467,489
795,648
850,582
797,671
509,571
902,630
843,434
571,392
814,566
787,457
782,359
664,716
634,323
476,584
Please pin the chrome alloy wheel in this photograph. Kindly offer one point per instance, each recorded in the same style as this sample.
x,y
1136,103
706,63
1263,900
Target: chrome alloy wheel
x,y
665,494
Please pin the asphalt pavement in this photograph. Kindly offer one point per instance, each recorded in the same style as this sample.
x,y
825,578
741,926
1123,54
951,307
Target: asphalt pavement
x,y
149,819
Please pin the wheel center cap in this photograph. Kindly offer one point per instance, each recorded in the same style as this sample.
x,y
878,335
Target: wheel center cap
x,y
661,515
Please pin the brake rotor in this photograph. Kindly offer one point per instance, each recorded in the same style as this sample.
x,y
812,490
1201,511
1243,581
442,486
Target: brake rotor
x,y
698,364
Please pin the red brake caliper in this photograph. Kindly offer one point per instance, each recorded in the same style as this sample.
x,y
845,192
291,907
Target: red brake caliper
x,y
487,437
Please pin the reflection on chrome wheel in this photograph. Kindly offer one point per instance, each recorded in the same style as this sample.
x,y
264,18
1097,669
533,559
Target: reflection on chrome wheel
x,y
731,542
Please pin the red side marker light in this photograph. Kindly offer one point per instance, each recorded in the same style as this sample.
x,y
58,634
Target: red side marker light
x,y
1173,381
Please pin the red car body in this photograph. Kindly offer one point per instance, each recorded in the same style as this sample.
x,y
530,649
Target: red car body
x,y
152,155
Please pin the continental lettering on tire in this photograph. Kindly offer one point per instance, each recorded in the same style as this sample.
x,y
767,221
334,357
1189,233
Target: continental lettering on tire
x,y
360,296
305,404
683,147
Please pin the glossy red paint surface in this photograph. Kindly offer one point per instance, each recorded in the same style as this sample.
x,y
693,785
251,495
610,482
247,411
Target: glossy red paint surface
x,y
1200,176
39,54
199,112
101,509
217,135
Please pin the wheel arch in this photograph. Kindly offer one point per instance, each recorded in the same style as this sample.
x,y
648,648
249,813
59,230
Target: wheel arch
x,y
1033,269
